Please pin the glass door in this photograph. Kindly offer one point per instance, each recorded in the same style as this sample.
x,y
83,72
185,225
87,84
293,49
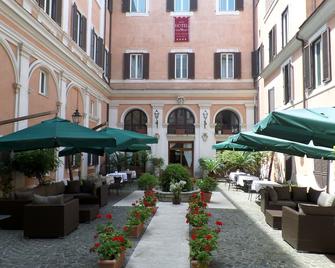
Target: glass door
x,y
181,152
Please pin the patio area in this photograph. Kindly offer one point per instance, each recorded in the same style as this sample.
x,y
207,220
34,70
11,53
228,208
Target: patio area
x,y
245,241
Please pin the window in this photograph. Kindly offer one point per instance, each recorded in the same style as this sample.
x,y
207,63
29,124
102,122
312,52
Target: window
x,y
227,122
181,121
227,65
321,171
284,25
272,43
317,64
181,70
226,5
94,46
107,64
79,24
257,61
43,83
271,100
53,8
136,120
138,6
136,66
287,81
92,160
181,5
93,109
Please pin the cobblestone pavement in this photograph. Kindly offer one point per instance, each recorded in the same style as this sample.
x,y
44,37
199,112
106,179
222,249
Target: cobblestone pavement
x,y
247,241
71,251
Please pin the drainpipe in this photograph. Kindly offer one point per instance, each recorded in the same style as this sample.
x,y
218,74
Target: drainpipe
x,y
303,85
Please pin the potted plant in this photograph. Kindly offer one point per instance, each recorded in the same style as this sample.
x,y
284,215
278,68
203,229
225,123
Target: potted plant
x,y
174,173
211,166
197,217
176,188
149,200
136,218
206,186
203,241
147,181
111,245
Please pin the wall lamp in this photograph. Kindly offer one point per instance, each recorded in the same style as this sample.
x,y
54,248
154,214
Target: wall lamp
x,y
205,115
156,114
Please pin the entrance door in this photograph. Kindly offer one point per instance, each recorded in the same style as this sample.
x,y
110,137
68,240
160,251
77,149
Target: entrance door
x,y
181,152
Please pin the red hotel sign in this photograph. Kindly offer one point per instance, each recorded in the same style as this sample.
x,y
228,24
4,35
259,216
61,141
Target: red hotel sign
x,y
181,29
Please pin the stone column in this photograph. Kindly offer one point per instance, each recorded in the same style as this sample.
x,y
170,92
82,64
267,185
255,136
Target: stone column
x,y
83,167
207,132
250,116
158,130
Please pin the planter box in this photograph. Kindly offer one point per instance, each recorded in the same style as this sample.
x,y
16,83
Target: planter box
x,y
136,231
207,196
153,210
117,263
168,196
196,264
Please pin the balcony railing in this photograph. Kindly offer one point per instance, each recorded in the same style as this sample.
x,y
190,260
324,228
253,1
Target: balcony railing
x,y
181,129
227,129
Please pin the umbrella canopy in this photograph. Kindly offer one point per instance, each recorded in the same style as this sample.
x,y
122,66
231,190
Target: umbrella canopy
x,y
230,146
52,133
301,125
266,143
101,151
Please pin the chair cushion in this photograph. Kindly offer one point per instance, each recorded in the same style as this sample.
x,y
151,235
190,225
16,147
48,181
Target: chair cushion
x,y
53,199
317,210
313,195
272,194
26,196
283,193
286,203
73,187
299,194
326,200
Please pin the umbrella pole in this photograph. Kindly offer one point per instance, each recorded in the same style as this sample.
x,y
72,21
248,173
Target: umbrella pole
x,y
271,164
70,169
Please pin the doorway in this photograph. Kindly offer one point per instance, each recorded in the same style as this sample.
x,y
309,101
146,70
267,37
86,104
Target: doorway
x,y
182,152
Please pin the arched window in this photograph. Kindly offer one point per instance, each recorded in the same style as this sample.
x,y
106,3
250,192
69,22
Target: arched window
x,y
181,121
136,120
227,122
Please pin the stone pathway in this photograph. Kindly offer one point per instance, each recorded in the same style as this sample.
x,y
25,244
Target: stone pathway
x,y
130,199
165,241
219,201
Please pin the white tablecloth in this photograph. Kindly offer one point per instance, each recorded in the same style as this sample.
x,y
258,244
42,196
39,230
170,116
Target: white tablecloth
x,y
110,177
241,178
258,185
233,174
131,172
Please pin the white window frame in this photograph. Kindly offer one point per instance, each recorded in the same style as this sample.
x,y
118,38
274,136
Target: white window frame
x,y
78,27
225,76
182,75
146,2
218,5
95,40
48,2
105,60
93,109
317,70
183,8
43,88
285,28
288,63
136,76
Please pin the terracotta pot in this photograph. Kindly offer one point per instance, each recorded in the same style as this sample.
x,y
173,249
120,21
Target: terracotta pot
x,y
117,263
176,200
207,196
153,210
136,230
196,264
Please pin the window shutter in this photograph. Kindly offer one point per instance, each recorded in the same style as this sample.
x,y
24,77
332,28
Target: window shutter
x,y
100,51
125,6
193,5
74,22
285,72
255,63
261,49
171,66
326,56
307,68
146,61
169,5
291,80
92,43
126,66
110,6
274,41
217,65
56,14
109,65
239,5
83,30
40,3
191,66
237,65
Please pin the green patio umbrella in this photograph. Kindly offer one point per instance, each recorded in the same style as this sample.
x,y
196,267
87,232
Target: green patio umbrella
x,y
230,146
52,133
301,125
266,143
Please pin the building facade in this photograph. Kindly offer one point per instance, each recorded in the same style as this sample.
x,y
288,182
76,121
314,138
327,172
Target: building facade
x,y
294,68
181,71
54,60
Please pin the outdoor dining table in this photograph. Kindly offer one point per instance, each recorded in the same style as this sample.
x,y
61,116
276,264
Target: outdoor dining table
x,y
258,185
232,175
241,178
131,172
110,177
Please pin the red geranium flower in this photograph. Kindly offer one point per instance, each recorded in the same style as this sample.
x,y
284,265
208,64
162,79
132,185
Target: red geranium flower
x,y
208,248
125,228
99,216
209,214
209,237
109,216
194,236
219,223
96,245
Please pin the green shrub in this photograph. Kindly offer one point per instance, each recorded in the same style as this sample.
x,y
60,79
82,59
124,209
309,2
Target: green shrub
x,y
147,181
207,184
175,173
